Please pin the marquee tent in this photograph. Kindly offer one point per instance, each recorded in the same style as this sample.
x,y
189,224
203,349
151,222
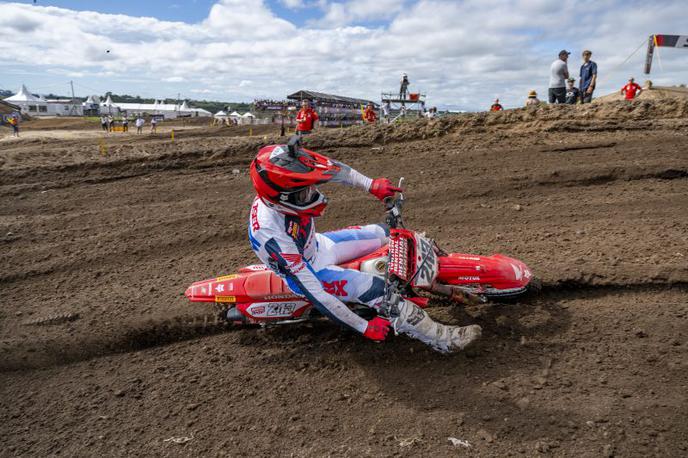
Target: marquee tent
x,y
39,106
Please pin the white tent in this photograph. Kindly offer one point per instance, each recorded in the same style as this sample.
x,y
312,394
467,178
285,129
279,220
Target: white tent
x,y
234,114
38,106
248,115
221,114
23,96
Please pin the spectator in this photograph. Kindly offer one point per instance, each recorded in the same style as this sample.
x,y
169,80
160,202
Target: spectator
x,y
532,99
306,119
557,81
104,123
369,115
404,86
125,124
631,90
386,109
110,123
14,122
431,113
496,106
139,124
588,77
573,94
154,125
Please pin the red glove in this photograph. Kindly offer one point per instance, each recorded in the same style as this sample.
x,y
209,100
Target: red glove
x,y
382,188
377,329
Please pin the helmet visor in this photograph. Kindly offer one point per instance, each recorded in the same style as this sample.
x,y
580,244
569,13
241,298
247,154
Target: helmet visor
x,y
304,196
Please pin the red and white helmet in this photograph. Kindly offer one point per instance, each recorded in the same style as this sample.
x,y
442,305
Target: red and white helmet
x,y
285,178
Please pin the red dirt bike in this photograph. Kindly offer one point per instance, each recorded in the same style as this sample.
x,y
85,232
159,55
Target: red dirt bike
x,y
410,263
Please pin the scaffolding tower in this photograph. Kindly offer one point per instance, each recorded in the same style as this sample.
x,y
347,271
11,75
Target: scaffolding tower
x,y
402,105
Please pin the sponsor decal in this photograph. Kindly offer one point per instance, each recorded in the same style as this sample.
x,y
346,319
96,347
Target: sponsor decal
x,y
416,316
293,229
227,277
426,262
295,261
279,296
276,151
336,288
469,258
469,278
254,217
219,288
274,309
284,310
225,298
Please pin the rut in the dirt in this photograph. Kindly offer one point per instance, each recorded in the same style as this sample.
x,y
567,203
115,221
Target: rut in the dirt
x,y
132,337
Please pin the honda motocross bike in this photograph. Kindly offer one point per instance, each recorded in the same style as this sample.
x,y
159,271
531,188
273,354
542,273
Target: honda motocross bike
x,y
410,263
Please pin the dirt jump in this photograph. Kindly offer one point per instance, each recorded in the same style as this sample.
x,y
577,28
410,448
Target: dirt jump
x,y
101,354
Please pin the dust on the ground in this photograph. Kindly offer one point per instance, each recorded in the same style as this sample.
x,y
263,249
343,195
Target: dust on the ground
x,y
593,198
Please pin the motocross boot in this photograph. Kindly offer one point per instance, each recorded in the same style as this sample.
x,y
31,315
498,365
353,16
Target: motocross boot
x,y
407,318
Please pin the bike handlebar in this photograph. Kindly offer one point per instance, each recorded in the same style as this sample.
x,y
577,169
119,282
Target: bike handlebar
x,y
393,207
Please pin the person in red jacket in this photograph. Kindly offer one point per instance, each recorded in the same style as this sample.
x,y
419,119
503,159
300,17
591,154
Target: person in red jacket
x,y
496,106
631,90
369,114
306,118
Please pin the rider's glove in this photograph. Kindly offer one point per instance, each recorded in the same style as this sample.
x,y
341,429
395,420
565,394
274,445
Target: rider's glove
x,y
377,329
382,188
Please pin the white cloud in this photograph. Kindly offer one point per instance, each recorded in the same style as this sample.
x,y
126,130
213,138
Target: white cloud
x,y
293,4
460,53
342,13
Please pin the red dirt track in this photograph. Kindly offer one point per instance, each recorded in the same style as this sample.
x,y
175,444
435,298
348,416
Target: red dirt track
x,y
593,198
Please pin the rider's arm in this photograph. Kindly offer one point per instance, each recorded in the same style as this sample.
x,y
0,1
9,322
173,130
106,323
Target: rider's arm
x,y
299,273
379,187
351,177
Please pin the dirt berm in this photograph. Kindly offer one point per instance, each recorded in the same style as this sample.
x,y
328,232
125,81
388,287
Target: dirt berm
x,y
100,354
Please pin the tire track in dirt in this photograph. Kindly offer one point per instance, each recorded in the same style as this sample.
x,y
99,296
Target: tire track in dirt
x,y
135,336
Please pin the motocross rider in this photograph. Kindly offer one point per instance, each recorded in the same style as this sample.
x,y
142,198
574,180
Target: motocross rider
x,y
282,234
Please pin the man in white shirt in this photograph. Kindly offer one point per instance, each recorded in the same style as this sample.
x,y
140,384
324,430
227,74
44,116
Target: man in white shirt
x,y
557,80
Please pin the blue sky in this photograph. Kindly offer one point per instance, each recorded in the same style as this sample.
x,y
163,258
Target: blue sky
x,y
189,11
463,54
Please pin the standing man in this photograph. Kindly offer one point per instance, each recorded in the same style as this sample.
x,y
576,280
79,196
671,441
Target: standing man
x,y
306,119
125,124
404,86
386,109
139,124
557,80
572,92
496,106
154,125
631,90
369,115
104,122
588,77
